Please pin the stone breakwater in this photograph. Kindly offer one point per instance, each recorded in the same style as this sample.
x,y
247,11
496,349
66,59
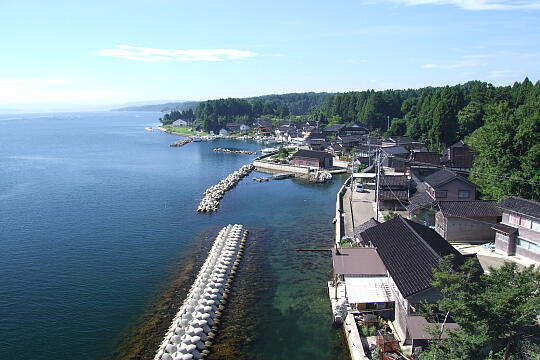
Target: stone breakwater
x,y
193,329
214,194
245,152
182,142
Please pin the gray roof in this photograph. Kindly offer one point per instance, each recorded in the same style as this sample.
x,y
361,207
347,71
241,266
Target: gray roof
x,y
364,226
420,200
442,177
521,206
469,209
311,154
395,150
357,261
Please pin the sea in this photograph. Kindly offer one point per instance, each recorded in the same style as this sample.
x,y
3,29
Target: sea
x,y
98,221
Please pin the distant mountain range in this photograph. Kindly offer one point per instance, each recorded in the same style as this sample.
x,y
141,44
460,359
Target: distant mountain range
x,y
179,105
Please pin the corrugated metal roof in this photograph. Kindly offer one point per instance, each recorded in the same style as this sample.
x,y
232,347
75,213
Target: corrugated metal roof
x,y
361,290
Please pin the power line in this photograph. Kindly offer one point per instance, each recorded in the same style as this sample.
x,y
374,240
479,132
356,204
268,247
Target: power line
x,y
533,182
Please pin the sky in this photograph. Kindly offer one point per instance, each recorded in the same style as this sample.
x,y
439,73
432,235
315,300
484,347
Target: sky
x,y
115,51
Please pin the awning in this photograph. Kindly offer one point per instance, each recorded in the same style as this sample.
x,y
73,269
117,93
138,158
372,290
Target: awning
x,y
361,290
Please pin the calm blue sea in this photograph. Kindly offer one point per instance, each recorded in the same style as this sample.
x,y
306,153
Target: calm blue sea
x,y
95,212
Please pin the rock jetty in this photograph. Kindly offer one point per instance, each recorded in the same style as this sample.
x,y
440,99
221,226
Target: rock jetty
x,y
182,142
235,151
214,194
194,328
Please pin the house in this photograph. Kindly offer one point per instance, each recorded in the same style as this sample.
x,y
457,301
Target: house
x,y
232,127
311,158
519,231
317,144
263,127
334,129
317,141
223,132
448,185
398,140
393,192
467,221
180,122
365,279
244,127
410,252
458,157
354,129
439,185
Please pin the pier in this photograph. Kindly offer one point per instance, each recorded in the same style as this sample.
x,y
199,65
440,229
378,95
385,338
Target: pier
x,y
193,329
230,151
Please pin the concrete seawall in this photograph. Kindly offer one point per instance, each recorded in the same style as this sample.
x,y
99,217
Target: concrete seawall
x,y
281,168
340,223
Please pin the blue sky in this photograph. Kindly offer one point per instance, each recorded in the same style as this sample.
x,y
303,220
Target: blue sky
x,y
109,52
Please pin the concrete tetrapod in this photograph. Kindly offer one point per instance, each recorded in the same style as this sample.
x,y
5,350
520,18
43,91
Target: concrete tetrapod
x,y
195,323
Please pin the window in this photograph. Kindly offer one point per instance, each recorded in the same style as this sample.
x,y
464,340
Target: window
x,y
525,222
514,219
536,226
529,245
440,194
464,194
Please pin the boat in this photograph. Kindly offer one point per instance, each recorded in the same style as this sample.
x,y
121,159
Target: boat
x,y
196,138
282,176
269,150
148,129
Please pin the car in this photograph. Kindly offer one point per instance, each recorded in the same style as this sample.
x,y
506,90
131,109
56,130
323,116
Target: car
x,y
359,188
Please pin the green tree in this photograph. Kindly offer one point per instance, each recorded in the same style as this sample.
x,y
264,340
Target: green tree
x,y
497,311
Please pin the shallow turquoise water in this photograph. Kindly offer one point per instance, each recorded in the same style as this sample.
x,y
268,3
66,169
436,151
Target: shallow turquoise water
x,y
94,212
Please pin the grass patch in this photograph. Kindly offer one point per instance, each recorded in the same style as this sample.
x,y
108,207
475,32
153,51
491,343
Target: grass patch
x,y
184,130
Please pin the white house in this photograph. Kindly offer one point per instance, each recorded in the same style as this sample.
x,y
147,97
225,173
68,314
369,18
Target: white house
x,y
180,122
223,132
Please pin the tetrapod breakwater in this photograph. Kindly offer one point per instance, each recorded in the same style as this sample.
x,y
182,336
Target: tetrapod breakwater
x,y
194,327
182,142
214,194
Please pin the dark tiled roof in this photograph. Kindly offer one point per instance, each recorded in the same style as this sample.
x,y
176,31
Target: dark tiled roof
x,y
442,177
521,206
364,226
469,209
402,195
420,200
395,150
311,154
461,157
314,135
398,180
504,228
410,252
460,143
425,158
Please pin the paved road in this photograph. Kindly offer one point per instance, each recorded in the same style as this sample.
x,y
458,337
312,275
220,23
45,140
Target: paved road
x,y
357,211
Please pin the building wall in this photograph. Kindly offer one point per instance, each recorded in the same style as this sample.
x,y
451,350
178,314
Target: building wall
x,y
465,230
501,244
450,191
527,253
305,162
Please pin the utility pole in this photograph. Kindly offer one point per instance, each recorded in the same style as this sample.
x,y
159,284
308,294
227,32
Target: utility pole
x,y
378,180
